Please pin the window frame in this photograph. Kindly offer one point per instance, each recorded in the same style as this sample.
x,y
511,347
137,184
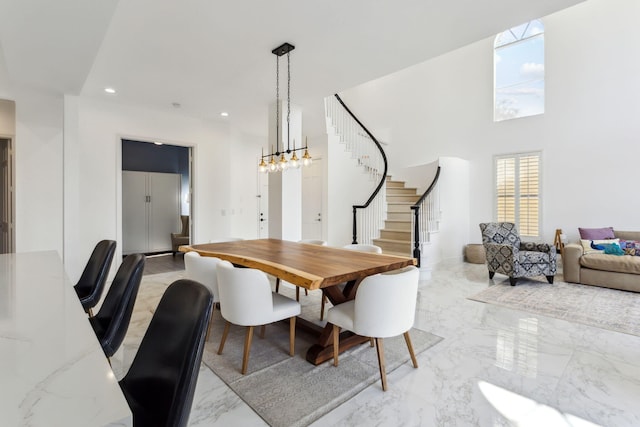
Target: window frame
x,y
517,183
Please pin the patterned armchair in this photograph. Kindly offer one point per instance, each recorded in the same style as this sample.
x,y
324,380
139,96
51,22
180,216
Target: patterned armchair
x,y
507,255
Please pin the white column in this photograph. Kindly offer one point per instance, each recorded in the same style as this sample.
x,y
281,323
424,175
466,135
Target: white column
x,y
285,188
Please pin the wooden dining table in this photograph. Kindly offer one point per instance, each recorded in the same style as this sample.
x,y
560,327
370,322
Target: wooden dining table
x,y
311,267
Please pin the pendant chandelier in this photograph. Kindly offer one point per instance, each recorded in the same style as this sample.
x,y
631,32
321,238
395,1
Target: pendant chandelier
x,y
277,160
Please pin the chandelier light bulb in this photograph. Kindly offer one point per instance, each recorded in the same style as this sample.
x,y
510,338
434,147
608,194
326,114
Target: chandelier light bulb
x,y
294,161
283,164
306,158
272,165
262,166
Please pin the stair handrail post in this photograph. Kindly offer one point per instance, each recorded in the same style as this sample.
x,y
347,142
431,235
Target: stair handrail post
x,y
416,231
384,174
355,227
416,212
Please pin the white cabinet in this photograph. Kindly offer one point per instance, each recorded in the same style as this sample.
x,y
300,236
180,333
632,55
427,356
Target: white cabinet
x,y
150,211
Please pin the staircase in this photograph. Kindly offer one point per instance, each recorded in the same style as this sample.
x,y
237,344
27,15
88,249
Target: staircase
x,y
395,237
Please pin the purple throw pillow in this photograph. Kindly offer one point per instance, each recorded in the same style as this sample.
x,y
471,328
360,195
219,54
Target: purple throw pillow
x,y
596,233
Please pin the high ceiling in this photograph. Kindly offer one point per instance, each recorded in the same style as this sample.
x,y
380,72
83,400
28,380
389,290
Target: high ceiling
x,y
212,56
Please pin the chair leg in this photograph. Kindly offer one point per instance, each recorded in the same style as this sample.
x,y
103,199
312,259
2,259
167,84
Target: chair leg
x,y
298,293
407,338
336,344
371,342
277,284
491,274
262,329
550,280
383,373
292,336
323,301
512,280
206,338
224,337
247,347
306,292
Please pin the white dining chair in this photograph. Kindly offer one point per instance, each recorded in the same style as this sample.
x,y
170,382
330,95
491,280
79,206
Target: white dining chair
x,y
360,247
384,306
310,242
226,239
202,269
364,248
246,299
313,242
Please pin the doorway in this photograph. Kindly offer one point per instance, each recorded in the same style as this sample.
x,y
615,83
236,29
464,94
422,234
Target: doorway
x,y
7,199
156,193
312,201
263,205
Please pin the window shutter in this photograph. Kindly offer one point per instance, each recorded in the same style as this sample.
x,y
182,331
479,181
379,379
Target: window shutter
x,y
506,189
529,195
518,192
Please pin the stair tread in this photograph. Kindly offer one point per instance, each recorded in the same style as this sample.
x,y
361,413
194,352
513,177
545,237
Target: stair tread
x,y
382,240
406,188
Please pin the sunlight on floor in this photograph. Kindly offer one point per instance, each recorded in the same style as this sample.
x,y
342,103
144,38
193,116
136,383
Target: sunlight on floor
x,y
522,411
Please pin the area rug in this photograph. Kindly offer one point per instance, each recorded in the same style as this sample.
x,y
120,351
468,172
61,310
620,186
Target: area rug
x,y
604,308
285,391
289,391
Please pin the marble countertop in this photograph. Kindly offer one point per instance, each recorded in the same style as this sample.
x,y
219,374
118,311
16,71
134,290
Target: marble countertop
x,y
52,368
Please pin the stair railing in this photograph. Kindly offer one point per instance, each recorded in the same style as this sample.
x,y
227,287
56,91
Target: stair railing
x,y
368,152
426,214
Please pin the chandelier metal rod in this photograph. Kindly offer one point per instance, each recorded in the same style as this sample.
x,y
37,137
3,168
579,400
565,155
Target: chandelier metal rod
x,y
295,162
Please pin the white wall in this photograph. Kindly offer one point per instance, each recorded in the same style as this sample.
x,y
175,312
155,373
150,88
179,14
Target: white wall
x,y
347,185
38,129
444,107
38,170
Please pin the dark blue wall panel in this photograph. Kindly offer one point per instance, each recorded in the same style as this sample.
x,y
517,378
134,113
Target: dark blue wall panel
x,y
149,157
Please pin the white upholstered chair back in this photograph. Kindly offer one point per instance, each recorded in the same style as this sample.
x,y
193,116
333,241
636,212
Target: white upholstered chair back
x,y
245,295
385,304
226,239
203,269
364,248
313,242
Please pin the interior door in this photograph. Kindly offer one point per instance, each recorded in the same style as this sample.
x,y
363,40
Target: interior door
x,y
263,205
6,198
312,201
164,209
134,212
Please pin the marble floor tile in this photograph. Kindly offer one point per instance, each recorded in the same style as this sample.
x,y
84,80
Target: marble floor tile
x,y
495,367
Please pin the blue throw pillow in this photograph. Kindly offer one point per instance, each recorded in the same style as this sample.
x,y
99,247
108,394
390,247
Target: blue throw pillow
x,y
613,249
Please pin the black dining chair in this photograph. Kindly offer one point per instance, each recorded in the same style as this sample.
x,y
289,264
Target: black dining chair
x,y
161,381
91,284
112,320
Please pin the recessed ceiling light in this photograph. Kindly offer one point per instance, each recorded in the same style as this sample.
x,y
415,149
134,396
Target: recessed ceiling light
x,y
109,90
224,114
158,143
